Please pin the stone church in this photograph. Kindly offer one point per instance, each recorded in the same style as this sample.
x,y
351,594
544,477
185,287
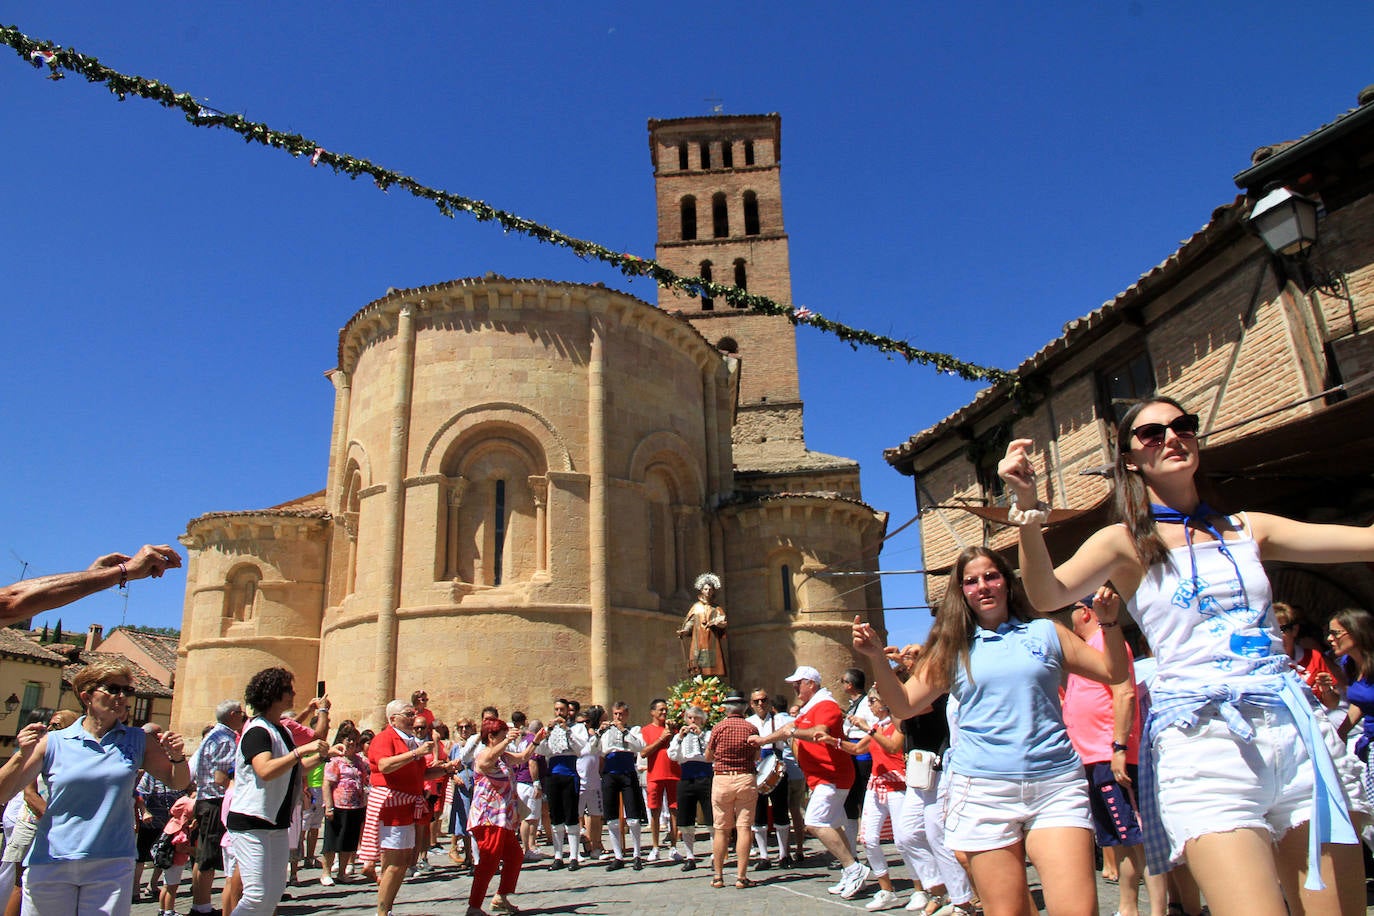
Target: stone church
x,y
525,477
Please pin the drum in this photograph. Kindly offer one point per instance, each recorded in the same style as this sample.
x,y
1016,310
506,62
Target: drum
x,y
770,772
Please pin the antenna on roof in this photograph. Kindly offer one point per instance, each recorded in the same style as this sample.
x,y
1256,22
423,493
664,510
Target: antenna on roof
x,y
23,565
717,105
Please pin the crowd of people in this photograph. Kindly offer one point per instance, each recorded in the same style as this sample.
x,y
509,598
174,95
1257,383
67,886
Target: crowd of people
x,y
1224,760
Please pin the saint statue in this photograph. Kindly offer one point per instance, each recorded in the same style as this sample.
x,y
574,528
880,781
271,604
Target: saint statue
x,y
703,630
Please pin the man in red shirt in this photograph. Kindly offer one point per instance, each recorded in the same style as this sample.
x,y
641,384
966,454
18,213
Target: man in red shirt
x,y
829,773
662,773
397,800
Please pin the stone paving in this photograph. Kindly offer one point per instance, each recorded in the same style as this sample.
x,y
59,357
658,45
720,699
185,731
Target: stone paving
x,y
661,888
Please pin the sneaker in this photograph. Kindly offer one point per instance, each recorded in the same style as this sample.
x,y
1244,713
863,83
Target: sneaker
x,y
836,888
531,855
883,900
605,856
652,856
919,900
327,879
677,855
858,877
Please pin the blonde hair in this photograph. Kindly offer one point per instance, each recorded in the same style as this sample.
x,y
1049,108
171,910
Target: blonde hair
x,y
98,672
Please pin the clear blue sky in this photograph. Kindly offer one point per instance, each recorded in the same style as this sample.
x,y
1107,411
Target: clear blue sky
x,y
968,176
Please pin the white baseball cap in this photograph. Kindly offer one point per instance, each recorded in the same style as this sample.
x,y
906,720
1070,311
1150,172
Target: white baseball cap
x,y
804,673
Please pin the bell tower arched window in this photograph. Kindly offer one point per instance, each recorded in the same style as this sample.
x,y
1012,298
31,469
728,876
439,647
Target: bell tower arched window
x,y
707,302
720,216
751,213
689,218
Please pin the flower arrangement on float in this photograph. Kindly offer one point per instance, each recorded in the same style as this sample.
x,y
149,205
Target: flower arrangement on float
x,y
707,692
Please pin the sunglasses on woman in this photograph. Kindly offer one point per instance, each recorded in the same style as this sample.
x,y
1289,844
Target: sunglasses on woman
x,y
116,690
1151,435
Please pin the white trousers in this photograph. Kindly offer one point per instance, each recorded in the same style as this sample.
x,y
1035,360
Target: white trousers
x,y
871,829
263,857
923,821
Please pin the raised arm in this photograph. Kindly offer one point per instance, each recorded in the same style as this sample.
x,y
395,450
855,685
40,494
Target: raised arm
x,y
902,700
1292,541
44,593
1112,665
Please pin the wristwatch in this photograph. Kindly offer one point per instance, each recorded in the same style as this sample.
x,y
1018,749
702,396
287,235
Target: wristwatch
x,y
1118,746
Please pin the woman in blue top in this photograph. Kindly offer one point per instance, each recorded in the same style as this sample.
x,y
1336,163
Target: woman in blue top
x,y
82,858
1351,635
1016,786
1244,761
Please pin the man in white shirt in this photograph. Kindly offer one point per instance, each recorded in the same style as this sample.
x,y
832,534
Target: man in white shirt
x,y
767,720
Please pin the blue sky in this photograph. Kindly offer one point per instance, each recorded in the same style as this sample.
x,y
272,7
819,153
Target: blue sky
x,y
966,176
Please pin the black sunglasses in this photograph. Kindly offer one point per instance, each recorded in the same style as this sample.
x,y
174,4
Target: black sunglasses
x,y
1286,627
117,690
1151,435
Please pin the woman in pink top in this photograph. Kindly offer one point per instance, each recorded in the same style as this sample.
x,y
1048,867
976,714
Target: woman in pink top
x,y
492,819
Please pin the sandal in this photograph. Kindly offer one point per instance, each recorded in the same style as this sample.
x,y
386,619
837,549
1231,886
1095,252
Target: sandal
x,y
745,883
717,881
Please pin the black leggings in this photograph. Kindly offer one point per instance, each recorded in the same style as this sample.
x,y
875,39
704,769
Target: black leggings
x,y
626,787
854,801
562,798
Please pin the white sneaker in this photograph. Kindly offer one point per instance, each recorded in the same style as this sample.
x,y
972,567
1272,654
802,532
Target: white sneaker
x,y
652,856
857,881
836,888
920,900
883,900
327,879
677,855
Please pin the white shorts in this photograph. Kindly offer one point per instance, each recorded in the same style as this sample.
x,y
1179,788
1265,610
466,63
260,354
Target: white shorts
x,y
1211,782
983,813
396,837
533,800
171,877
825,808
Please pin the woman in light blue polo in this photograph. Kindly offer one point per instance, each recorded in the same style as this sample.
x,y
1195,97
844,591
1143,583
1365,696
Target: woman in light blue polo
x,y
82,858
1016,788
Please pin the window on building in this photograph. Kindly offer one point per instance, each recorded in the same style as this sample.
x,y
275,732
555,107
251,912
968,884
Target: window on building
x,y
785,584
689,218
1124,383
705,155
783,594
143,710
727,345
499,532
33,698
741,274
707,302
682,156
241,593
751,213
985,452
748,152
494,525
720,217
727,155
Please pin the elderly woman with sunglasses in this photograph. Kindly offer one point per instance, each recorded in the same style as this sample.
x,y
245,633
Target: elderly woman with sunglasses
x,y
82,858
1236,760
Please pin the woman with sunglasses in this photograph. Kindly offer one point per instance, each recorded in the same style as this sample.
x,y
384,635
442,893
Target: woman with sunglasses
x,y
1310,664
1351,636
1235,758
82,857
1016,787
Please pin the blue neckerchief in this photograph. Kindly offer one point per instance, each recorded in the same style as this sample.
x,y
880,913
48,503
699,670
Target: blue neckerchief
x,y
1200,515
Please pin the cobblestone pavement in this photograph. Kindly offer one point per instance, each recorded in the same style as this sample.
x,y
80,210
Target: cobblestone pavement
x,y
661,888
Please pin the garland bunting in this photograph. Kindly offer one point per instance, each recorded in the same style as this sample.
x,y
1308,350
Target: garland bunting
x,y
57,59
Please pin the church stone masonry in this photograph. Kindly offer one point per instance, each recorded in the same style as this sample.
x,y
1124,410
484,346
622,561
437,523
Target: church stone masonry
x,y
525,476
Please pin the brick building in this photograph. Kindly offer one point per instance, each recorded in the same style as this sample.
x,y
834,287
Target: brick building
x,y
526,476
1275,353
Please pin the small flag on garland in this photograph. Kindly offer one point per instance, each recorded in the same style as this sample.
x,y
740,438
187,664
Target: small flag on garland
x,y
315,157
802,313
41,57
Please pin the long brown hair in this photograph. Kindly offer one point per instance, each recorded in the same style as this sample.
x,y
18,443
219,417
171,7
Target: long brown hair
x,y
1359,623
952,635
1131,497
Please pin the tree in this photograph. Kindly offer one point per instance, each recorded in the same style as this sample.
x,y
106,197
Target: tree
x,y
57,632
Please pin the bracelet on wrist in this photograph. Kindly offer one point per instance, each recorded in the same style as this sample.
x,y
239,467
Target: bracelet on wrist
x,y
123,575
177,760
1108,624
1118,747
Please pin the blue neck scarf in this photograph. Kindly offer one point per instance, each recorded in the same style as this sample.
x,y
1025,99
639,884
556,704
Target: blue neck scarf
x,y
1200,516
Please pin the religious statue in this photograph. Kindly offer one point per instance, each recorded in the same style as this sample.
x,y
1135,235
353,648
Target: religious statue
x,y
703,629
